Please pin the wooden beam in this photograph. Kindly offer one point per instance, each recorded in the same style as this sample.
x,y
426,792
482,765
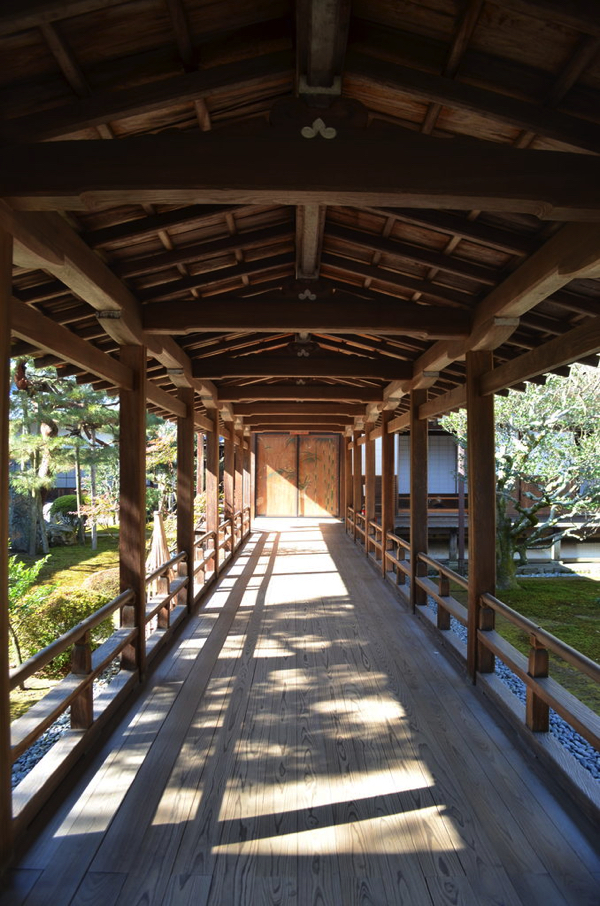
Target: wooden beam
x,y
369,484
407,252
461,95
348,483
343,313
400,423
310,223
574,252
482,508
296,421
159,397
327,427
396,280
343,366
297,408
322,28
46,241
279,168
6,819
463,228
132,511
445,402
45,334
140,100
150,226
185,485
250,239
395,391
569,347
269,259
299,392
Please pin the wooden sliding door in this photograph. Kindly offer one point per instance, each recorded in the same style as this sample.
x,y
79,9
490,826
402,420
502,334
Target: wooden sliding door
x,y
297,475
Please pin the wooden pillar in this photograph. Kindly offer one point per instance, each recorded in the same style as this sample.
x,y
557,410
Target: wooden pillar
x,y
246,472
238,484
132,512
6,825
481,468
388,484
212,480
418,494
200,481
252,477
357,480
369,483
229,472
348,480
185,486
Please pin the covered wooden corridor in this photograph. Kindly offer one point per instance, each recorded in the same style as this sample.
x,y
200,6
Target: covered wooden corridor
x,y
305,743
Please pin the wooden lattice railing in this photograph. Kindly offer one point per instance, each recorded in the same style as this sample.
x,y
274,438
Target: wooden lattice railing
x,y
435,578
168,600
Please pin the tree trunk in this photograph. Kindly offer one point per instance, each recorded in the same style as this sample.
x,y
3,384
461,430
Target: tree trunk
x,y
80,524
506,569
33,517
93,491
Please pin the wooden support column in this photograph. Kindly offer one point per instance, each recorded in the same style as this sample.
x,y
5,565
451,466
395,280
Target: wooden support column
x,y
369,483
246,473
229,474
388,485
481,468
212,480
185,488
132,513
357,480
238,484
418,494
252,477
200,481
6,825
348,481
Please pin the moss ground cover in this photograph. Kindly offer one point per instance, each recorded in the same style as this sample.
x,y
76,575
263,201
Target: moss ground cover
x,y
568,608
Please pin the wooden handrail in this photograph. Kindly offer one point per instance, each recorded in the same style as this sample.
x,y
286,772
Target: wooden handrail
x,y
390,536
444,570
165,567
43,657
566,652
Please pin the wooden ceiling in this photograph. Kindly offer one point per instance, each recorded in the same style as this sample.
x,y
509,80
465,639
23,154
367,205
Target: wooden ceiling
x,y
327,201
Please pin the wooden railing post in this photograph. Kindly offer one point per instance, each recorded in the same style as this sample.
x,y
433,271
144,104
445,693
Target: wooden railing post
x,y
6,824
482,507
369,485
357,481
537,711
418,495
132,511
388,486
443,617
163,617
185,487
82,707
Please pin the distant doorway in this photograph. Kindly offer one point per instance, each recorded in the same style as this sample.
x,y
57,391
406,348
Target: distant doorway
x,y
297,475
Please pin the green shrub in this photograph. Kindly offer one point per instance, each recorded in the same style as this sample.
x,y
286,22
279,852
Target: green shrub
x,y
65,508
61,611
104,582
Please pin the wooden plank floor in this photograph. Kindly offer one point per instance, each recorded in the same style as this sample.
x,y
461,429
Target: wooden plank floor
x,y
305,744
